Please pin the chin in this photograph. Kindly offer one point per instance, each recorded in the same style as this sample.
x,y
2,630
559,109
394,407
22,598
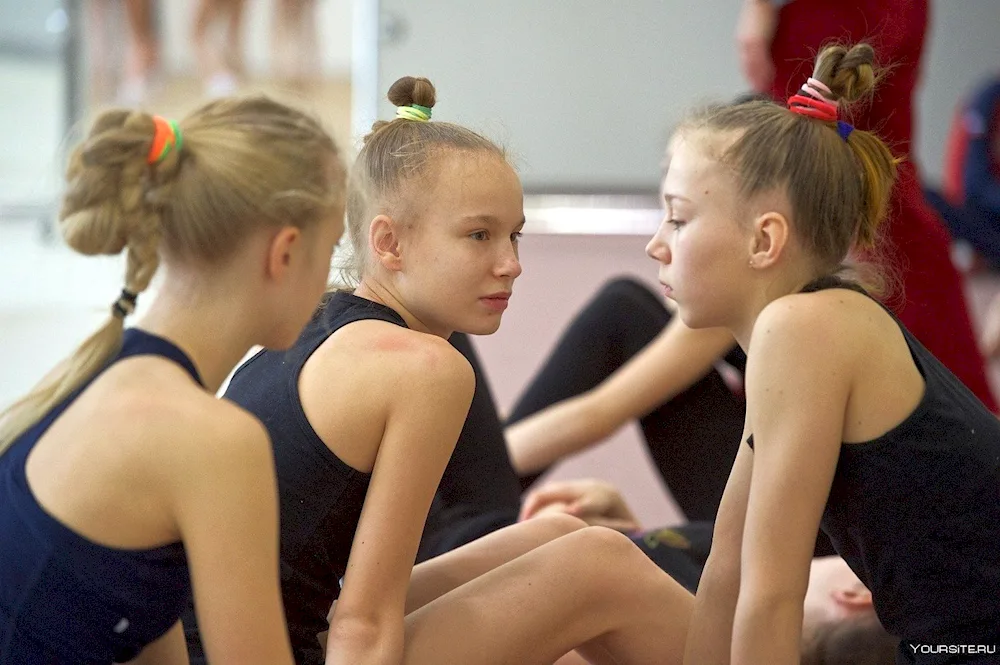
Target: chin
x,y
481,327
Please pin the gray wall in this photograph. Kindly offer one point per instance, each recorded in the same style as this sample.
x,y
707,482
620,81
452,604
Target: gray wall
x,y
585,91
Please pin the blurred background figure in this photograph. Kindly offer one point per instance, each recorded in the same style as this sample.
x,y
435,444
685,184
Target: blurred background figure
x,y
969,201
220,56
294,42
123,76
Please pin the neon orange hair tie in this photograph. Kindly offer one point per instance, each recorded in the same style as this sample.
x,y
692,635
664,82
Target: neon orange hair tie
x,y
166,137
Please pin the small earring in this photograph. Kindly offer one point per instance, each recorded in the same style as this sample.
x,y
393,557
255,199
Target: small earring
x,y
752,263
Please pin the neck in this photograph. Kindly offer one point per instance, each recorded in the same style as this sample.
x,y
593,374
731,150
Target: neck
x,y
770,285
374,290
215,329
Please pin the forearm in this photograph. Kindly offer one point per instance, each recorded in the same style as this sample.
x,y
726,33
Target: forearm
x,y
767,631
553,433
711,629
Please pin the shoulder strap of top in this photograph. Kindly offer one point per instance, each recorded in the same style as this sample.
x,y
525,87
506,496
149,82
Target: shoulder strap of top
x,y
138,342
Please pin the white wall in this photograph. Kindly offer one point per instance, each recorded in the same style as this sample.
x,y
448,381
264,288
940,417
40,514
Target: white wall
x,y
586,91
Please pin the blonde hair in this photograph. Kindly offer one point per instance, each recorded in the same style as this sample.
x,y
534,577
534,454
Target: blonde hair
x,y
245,163
395,153
838,189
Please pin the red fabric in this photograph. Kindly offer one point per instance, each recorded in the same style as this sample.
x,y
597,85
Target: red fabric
x,y
916,245
956,150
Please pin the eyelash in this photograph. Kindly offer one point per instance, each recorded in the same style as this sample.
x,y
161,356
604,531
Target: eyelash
x,y
676,223
514,237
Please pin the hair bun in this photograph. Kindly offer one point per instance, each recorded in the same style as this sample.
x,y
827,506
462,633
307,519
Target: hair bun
x,y
411,90
849,72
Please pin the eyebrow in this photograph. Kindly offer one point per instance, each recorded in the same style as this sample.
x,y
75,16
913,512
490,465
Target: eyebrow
x,y
489,220
670,197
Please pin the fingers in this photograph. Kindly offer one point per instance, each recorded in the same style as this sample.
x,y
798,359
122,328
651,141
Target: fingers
x,y
554,493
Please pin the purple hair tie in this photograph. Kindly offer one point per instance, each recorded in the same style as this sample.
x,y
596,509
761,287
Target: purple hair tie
x,y
844,129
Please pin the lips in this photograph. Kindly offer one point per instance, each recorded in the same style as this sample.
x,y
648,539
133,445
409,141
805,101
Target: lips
x,y
496,302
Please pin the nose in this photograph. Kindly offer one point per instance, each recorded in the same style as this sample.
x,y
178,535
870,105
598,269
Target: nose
x,y
509,264
658,248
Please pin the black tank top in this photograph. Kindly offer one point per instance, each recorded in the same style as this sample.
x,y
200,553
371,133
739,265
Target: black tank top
x,y
916,514
320,495
63,597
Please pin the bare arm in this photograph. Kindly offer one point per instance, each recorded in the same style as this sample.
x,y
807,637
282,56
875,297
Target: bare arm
x,y
797,400
227,509
711,629
991,333
170,649
670,364
426,413
754,33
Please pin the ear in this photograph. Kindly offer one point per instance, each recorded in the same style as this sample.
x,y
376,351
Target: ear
x,y
383,240
283,244
853,598
771,234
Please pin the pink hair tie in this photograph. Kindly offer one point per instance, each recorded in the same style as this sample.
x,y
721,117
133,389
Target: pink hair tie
x,y
819,85
810,90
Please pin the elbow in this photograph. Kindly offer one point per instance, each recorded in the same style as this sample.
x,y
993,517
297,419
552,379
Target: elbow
x,y
378,638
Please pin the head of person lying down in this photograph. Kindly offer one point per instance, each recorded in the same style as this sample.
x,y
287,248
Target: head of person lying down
x,y
839,625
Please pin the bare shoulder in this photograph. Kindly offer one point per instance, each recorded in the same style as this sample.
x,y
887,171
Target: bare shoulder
x,y
824,323
400,356
202,434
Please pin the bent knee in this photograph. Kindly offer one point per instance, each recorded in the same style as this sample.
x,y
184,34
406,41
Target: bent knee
x,y
558,524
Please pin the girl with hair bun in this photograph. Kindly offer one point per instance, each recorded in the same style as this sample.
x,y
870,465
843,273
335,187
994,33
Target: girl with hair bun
x,y
124,482
851,425
364,412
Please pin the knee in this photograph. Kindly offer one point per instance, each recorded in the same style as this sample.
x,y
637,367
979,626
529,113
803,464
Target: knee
x,y
558,524
608,550
603,560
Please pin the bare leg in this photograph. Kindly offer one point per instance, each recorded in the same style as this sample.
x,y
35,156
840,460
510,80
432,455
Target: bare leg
x,y
143,52
439,575
234,38
591,589
100,52
294,42
204,16
219,80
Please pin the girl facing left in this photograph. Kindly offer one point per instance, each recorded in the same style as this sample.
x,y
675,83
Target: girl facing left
x,y
125,482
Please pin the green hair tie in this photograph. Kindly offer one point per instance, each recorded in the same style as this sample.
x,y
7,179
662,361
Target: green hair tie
x,y
414,112
179,138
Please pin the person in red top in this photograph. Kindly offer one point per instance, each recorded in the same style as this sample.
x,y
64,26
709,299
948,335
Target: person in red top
x,y
777,41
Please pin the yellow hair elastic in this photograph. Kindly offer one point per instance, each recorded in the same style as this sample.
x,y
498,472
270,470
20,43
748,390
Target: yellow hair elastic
x,y
414,112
